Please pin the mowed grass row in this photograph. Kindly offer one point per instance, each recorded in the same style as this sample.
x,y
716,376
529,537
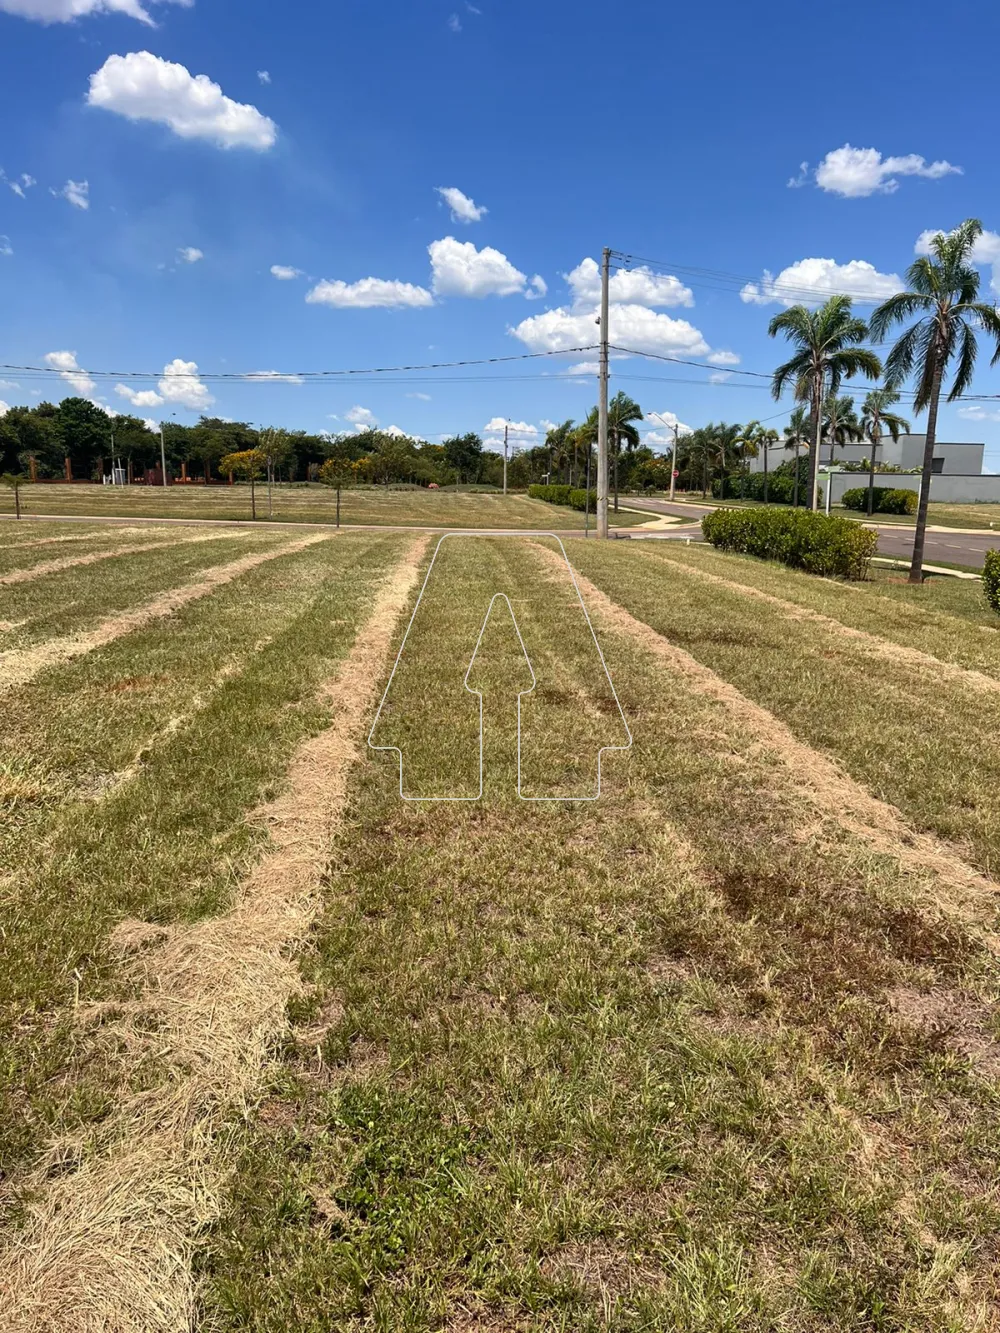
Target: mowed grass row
x,y
22,547
922,741
71,600
312,503
127,784
625,1065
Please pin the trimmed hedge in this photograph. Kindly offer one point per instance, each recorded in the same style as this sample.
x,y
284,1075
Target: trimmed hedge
x,y
796,537
564,495
991,579
885,499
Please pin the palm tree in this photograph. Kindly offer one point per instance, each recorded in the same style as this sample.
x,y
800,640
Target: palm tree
x,y
874,415
723,444
798,432
560,443
622,411
755,438
943,290
840,421
828,353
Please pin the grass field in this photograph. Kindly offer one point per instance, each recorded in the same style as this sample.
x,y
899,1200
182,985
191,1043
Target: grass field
x,y
304,504
281,1052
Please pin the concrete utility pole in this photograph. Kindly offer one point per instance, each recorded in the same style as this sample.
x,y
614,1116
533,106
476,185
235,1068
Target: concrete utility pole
x,y
602,402
163,456
673,464
505,459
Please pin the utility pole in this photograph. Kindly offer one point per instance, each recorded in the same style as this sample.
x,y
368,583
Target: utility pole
x,y
505,458
602,402
163,456
673,465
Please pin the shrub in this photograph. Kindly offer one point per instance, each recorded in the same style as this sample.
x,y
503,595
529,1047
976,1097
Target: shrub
x,y
801,538
885,500
991,579
578,500
555,495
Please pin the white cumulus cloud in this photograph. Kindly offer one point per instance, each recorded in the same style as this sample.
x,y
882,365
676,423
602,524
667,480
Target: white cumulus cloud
x,y
633,326
139,397
65,11
76,193
285,272
463,209
459,269
190,254
637,286
141,86
180,384
855,173
20,186
361,418
666,436
367,293
496,424
537,288
723,358
70,371
811,281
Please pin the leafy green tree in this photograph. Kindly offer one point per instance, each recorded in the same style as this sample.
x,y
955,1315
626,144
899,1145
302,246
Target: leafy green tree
x,y
827,353
464,454
798,432
85,432
248,465
562,445
623,412
876,417
755,439
943,291
723,450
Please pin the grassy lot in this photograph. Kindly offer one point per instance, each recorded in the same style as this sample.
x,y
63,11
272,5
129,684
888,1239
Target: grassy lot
x,y
303,504
717,1053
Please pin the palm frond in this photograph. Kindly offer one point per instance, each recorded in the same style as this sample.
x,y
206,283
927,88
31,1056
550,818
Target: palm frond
x,y
968,348
899,362
894,311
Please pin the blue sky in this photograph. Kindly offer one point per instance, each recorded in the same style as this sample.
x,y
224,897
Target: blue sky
x,y
179,153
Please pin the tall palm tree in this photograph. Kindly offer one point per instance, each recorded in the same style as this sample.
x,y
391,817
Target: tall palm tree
x,y
559,441
755,438
798,432
724,446
875,416
840,421
622,412
827,340
943,289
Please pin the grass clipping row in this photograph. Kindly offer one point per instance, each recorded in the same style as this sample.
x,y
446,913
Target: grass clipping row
x,y
108,1245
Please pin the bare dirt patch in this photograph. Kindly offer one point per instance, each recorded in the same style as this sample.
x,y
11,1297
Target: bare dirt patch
x,y
108,1244
18,666
956,1022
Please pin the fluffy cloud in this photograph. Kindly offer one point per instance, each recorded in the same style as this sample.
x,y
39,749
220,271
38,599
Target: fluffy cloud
x,y
854,173
811,281
139,397
496,424
4,408
263,76
189,254
723,358
70,371
180,385
64,11
76,193
141,86
632,326
5,246
367,293
666,436
285,272
985,251
462,207
538,288
459,269
361,418
637,286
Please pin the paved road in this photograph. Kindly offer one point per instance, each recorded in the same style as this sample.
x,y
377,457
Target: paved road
x,y
943,546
